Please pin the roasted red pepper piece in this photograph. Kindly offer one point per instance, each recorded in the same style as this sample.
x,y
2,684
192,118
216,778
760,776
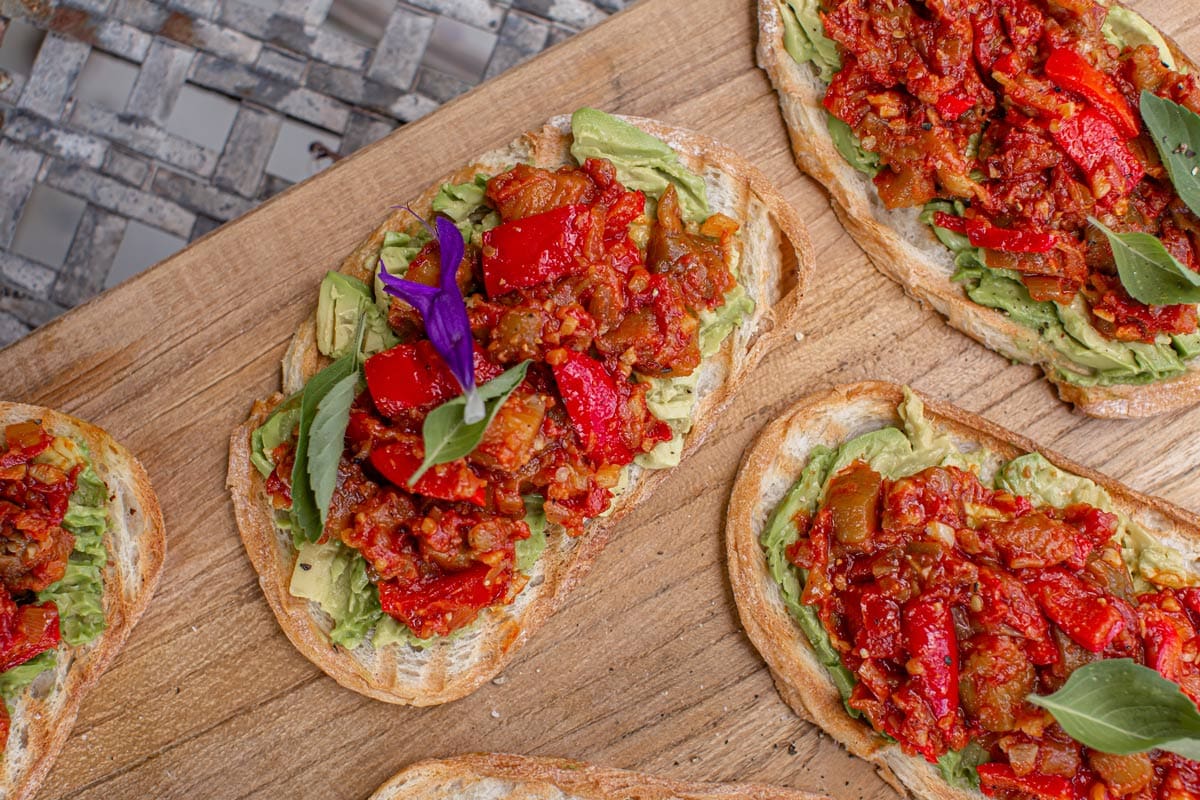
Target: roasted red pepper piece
x,y
1072,71
928,630
993,777
628,207
1094,143
1006,601
879,626
542,248
26,631
23,441
952,106
438,606
414,376
1083,610
397,462
1190,597
982,233
594,405
1170,639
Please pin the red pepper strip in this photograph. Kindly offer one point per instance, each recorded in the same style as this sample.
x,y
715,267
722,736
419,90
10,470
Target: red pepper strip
x,y
1007,602
1084,612
1072,71
594,405
1163,640
539,249
438,606
879,632
34,629
993,777
953,106
928,630
1166,631
982,233
1190,598
1092,141
397,462
24,440
628,207
414,376
950,222
624,255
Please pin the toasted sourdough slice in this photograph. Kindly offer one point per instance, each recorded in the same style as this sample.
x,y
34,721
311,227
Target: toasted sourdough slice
x,y
772,466
775,257
492,776
904,248
43,714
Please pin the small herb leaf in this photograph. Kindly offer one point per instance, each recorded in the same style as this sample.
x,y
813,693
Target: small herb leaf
x,y
1119,706
448,436
327,440
1176,133
306,515
1148,271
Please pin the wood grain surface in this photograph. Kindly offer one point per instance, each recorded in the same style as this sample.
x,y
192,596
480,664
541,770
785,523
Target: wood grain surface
x,y
646,667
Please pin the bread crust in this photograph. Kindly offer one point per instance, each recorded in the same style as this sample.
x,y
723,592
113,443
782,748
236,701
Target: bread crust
x,y
906,251
495,775
776,256
44,714
773,464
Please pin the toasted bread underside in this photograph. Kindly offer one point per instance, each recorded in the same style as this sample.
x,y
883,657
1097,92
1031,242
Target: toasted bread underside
x,y
44,713
493,776
775,257
770,468
903,248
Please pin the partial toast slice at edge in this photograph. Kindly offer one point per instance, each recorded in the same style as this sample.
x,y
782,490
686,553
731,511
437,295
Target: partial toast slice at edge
x,y
493,776
772,465
44,714
904,249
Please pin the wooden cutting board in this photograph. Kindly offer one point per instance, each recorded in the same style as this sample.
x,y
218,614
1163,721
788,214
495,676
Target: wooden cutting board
x,y
646,667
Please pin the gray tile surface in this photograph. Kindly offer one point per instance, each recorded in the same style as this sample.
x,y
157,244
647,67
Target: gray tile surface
x,y
129,127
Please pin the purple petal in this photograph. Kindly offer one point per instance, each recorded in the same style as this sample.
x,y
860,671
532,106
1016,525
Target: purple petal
x,y
451,246
442,308
450,331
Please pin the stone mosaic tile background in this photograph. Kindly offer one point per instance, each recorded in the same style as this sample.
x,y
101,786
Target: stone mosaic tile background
x,y
130,127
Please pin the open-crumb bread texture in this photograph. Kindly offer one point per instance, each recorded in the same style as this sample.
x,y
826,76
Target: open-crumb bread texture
x,y
772,466
775,257
43,714
903,248
492,776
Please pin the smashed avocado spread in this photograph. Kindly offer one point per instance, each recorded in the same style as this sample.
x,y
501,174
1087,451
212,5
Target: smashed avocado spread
x,y
939,587
54,517
659,231
1066,324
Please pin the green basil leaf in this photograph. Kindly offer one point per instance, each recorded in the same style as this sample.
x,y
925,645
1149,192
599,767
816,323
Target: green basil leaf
x,y
307,519
959,768
448,437
327,440
1148,272
1119,706
1176,133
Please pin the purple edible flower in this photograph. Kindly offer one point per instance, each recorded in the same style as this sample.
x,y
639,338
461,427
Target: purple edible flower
x,y
443,311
